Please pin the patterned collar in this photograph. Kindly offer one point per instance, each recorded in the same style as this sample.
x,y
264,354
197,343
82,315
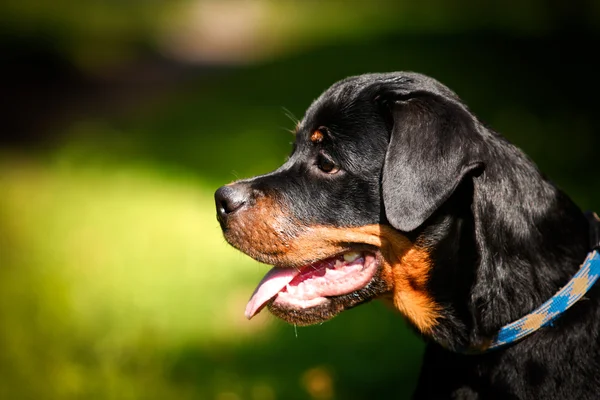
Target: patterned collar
x,y
573,291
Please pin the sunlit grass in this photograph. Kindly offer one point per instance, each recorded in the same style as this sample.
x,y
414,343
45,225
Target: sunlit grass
x,y
130,244
131,257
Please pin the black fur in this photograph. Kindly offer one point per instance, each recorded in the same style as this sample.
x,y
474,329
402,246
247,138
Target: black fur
x,y
503,238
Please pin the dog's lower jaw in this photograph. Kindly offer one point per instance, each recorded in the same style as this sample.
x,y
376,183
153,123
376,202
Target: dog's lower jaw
x,y
333,306
308,316
404,269
400,279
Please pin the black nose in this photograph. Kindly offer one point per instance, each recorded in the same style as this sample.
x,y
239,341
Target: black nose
x,y
229,199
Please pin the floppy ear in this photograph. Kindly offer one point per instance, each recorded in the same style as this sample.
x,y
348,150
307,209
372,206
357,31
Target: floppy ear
x,y
433,146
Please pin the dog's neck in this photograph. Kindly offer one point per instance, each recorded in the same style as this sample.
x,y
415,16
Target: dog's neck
x,y
508,240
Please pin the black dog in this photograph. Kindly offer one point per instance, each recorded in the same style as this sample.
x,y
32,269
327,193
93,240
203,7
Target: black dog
x,y
395,190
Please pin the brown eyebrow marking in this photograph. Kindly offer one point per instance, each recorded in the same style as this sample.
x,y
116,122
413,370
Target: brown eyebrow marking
x,y
317,136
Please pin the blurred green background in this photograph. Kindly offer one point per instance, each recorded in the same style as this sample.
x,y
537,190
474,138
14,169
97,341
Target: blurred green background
x,y
121,118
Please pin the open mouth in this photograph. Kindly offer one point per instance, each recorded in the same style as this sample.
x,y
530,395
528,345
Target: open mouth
x,y
311,285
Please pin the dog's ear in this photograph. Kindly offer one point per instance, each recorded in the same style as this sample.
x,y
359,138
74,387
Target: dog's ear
x,y
433,146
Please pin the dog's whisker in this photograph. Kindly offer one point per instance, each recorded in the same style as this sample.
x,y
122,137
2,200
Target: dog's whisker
x,y
290,115
292,131
292,118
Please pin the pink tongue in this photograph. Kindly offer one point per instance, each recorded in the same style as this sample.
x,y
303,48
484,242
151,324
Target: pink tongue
x,y
271,284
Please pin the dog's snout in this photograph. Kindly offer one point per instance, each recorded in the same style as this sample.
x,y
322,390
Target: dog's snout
x,y
231,198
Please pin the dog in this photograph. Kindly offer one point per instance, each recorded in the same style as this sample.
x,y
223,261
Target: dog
x,y
395,190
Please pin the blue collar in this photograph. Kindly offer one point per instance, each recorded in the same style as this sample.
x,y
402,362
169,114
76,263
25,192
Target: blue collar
x,y
572,292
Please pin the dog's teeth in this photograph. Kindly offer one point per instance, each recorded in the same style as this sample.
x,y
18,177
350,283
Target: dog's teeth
x,y
338,263
290,289
308,291
351,256
333,274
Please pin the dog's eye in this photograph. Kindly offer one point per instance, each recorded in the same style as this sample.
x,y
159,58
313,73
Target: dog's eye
x,y
326,164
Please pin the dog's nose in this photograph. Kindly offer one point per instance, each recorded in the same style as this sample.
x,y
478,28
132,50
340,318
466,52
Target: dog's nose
x,y
231,198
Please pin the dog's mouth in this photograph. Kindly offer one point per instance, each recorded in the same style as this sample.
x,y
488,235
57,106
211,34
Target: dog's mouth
x,y
314,284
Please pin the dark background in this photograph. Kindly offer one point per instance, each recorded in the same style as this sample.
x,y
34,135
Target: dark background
x,y
121,118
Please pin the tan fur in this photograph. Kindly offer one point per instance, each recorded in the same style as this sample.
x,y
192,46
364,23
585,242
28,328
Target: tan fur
x,y
270,236
316,137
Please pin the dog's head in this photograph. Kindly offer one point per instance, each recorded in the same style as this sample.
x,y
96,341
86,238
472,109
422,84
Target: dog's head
x,y
342,220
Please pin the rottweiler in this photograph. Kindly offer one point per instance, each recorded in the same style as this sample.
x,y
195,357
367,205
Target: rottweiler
x,y
395,190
